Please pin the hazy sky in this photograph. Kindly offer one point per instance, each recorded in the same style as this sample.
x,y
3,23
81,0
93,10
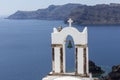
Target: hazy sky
x,y
8,7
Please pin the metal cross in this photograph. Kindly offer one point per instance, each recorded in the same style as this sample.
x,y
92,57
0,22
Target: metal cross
x,y
70,21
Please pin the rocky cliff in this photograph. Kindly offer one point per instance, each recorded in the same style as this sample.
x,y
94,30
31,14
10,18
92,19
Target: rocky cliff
x,y
94,69
53,12
81,14
114,74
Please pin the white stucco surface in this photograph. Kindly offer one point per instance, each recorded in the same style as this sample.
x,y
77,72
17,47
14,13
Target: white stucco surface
x,y
57,60
87,61
80,61
67,78
78,37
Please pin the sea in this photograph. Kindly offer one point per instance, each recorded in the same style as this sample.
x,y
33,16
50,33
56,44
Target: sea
x,y
25,47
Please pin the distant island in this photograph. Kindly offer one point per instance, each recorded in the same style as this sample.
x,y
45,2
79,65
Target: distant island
x,y
81,14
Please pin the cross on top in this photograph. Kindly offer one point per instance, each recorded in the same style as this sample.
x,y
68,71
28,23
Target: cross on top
x,y
70,21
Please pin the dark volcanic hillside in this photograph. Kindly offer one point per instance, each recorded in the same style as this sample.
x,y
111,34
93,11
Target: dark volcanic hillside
x,y
52,12
99,14
81,14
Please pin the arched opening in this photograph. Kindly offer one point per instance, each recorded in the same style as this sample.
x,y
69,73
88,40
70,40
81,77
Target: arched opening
x,y
70,54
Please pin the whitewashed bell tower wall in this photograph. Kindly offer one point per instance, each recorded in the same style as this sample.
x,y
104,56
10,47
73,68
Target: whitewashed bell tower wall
x,y
58,50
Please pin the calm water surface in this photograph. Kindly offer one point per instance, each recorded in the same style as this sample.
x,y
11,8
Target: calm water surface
x,y
25,47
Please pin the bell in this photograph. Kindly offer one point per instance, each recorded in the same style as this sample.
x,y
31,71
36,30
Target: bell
x,y
69,44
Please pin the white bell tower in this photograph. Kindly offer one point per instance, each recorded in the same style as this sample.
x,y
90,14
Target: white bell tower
x,y
58,54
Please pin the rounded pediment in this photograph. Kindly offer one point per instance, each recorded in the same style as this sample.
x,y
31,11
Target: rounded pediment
x,y
59,35
69,29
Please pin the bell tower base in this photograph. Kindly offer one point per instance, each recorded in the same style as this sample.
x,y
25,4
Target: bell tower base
x,y
68,76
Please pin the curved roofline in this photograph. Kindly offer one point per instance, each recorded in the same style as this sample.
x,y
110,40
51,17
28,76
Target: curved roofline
x,y
71,28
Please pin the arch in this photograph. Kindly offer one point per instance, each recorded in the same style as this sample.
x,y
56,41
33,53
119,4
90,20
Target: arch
x,y
70,55
78,37
70,31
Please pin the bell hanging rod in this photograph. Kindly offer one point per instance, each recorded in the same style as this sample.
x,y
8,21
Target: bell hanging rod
x,y
69,40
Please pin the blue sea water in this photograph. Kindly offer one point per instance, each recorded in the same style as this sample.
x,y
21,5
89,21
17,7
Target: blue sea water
x,y
25,47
